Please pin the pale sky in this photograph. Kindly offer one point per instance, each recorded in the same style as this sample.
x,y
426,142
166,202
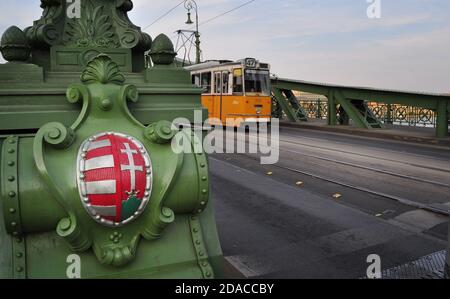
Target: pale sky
x,y
329,41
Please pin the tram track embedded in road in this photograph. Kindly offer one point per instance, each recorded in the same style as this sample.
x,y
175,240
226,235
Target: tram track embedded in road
x,y
403,176
390,173
369,156
399,199
373,192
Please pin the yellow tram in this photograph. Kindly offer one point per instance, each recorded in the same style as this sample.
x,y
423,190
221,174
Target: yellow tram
x,y
235,93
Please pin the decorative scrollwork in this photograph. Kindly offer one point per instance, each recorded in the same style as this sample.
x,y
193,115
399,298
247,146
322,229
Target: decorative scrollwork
x,y
387,113
379,111
103,70
131,93
425,116
58,135
117,256
93,29
401,113
315,108
73,234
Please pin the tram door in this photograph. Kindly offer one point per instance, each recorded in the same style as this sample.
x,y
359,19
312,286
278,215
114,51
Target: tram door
x,y
221,91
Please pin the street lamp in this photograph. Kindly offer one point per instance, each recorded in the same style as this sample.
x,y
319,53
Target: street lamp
x,y
190,5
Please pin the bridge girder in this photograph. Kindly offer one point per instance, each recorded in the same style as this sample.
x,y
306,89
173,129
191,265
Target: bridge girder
x,y
353,101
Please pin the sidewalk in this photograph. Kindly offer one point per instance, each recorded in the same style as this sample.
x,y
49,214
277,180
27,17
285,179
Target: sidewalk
x,y
392,132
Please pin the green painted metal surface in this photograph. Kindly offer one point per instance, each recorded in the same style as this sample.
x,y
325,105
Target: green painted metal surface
x,y
285,106
293,102
358,111
353,102
36,83
67,87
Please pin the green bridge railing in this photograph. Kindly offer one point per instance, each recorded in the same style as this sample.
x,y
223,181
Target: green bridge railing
x,y
365,107
387,113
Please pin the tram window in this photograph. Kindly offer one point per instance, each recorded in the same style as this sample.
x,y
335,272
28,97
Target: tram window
x,y
257,82
196,80
206,82
237,81
217,82
225,82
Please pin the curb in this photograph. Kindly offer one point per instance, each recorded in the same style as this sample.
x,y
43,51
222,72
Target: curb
x,y
371,133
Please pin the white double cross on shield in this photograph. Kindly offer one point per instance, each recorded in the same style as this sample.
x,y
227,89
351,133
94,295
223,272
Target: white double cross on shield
x,y
132,168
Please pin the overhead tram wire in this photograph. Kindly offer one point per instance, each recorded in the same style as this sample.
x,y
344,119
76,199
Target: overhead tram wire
x,y
163,15
227,12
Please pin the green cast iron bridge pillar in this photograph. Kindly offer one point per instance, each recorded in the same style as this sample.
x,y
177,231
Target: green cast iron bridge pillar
x,y
95,181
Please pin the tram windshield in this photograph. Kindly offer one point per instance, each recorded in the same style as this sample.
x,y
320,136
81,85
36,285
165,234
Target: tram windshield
x,y
257,81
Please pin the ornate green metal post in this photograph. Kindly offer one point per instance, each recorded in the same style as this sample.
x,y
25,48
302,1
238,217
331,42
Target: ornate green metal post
x,y
95,181
332,113
319,109
192,5
389,116
442,120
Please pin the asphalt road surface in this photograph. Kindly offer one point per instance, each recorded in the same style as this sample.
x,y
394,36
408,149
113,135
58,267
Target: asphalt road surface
x,y
330,202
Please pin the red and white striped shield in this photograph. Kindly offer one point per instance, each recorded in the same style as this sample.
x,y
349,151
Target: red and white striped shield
x,y
114,178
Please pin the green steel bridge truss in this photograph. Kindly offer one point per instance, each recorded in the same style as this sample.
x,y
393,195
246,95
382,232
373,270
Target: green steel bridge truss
x,y
361,105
